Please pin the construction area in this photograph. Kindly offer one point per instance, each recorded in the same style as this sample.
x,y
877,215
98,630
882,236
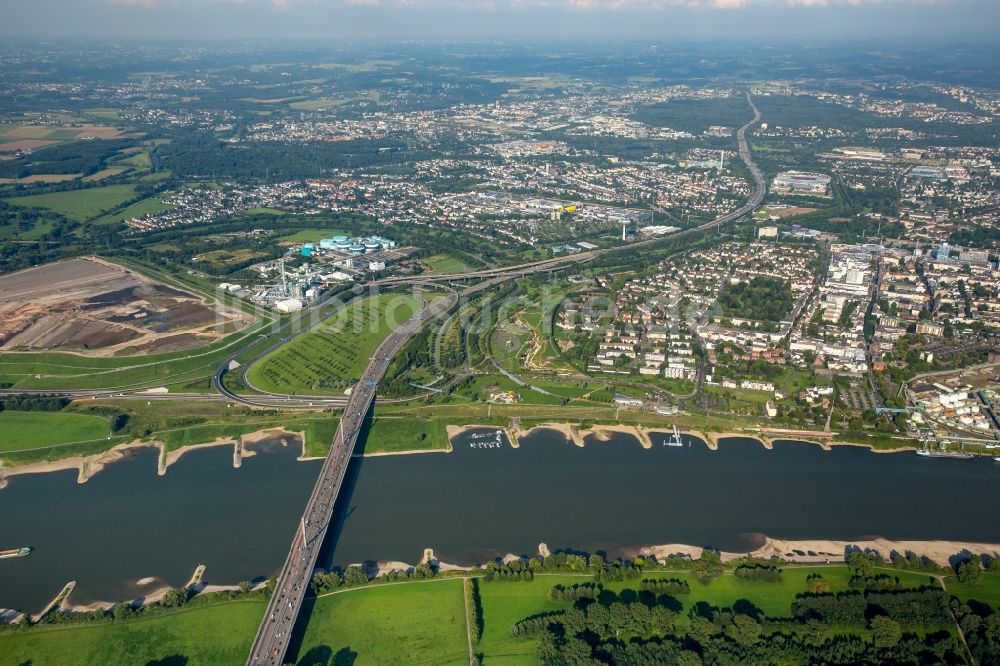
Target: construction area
x,y
93,306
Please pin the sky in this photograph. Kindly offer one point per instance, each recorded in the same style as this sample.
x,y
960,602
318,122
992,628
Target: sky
x,y
472,20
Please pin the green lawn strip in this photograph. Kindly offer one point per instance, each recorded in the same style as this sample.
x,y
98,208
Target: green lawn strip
x,y
217,634
411,623
24,430
333,356
80,204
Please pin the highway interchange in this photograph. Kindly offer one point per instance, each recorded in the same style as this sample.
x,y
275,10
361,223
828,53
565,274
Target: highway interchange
x,y
273,638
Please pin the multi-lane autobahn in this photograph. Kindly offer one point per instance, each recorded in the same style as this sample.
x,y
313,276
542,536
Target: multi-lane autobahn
x,y
274,635
272,639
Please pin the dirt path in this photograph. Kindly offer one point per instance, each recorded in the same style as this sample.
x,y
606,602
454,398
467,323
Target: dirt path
x,y
961,634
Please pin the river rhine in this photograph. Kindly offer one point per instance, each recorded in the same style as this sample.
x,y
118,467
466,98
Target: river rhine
x,y
126,523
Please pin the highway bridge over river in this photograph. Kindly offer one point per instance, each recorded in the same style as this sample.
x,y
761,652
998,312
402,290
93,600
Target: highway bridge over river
x,y
275,631
273,637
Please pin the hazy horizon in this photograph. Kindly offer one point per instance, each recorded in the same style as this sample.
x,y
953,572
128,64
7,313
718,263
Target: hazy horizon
x,y
557,20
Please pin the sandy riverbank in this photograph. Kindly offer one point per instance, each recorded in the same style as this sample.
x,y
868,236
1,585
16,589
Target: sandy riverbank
x,y
453,431
822,551
168,458
88,466
603,433
803,551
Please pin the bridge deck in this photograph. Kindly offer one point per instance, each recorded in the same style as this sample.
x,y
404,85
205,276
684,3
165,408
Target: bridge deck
x,y
274,635
275,631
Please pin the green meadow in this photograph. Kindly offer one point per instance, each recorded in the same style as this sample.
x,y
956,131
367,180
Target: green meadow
x,y
82,204
34,429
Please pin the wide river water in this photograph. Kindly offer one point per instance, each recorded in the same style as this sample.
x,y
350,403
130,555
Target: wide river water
x,y
484,500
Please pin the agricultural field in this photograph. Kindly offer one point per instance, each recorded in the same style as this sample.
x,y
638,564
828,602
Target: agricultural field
x,y
79,205
103,114
332,357
41,178
32,137
206,635
104,173
415,623
36,429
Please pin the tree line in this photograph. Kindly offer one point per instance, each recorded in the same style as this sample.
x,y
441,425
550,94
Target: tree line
x,y
34,403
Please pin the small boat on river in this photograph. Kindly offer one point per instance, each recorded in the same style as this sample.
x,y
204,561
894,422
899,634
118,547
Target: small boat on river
x,y
927,452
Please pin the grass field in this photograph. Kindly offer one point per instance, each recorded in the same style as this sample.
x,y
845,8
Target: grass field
x,y
141,161
79,205
103,114
222,259
392,434
988,592
506,603
333,356
201,635
28,429
146,206
330,103
444,263
265,211
175,423
425,623
412,623
40,228
408,623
